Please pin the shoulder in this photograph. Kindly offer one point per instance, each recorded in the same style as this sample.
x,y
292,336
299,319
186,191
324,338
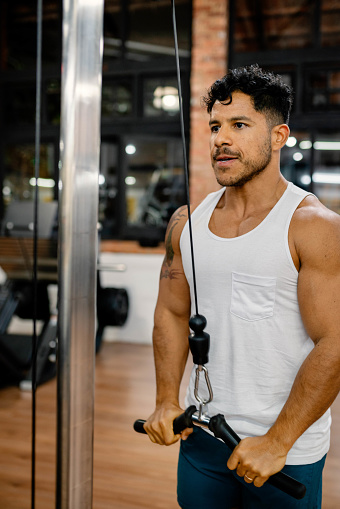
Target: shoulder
x,y
315,231
173,233
177,222
313,216
180,217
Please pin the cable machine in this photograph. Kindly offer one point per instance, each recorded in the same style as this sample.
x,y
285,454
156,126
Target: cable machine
x,y
78,247
78,254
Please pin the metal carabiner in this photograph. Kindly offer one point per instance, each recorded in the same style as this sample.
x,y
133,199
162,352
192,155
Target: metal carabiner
x,y
202,402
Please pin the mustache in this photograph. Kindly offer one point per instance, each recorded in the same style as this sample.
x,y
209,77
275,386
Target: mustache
x,y
226,152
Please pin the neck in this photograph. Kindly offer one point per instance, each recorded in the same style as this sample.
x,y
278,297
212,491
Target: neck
x,y
261,192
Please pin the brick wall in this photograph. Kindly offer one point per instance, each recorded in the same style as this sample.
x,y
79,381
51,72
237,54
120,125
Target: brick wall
x,y
209,62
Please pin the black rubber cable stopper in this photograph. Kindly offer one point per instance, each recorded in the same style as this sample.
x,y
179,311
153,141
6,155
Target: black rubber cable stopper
x,y
199,341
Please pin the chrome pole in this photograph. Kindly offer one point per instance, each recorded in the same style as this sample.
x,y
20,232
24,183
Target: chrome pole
x,y
78,245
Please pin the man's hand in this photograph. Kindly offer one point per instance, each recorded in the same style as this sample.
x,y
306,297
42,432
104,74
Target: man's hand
x,y
256,459
159,425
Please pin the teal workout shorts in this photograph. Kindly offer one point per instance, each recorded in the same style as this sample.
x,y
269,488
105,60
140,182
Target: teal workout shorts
x,y
205,482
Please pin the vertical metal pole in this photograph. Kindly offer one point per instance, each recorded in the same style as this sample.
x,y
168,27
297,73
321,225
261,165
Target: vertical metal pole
x,y
78,216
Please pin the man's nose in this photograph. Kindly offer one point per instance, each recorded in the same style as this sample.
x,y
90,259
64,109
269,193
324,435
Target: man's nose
x,y
223,137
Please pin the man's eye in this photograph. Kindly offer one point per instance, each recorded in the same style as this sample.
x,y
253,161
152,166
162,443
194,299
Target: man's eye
x,y
214,128
239,125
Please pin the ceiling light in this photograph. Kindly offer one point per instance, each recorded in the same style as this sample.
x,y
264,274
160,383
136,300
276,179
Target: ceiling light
x,y
291,142
130,149
42,182
170,102
327,145
297,156
305,180
305,144
326,178
320,177
166,98
130,181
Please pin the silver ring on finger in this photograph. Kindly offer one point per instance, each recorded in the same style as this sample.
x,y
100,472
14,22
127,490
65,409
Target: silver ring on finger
x,y
249,479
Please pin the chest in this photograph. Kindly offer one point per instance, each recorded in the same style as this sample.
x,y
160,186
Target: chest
x,y
228,225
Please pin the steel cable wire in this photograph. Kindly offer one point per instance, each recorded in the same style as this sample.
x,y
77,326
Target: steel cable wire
x,y
186,169
35,243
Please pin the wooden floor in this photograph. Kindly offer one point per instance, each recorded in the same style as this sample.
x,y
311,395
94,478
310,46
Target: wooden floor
x,y
129,471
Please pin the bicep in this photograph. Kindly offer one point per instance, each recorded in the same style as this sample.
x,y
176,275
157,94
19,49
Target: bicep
x,y
174,292
319,301
319,285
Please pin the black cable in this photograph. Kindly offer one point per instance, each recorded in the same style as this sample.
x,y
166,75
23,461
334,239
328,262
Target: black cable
x,y
35,243
186,169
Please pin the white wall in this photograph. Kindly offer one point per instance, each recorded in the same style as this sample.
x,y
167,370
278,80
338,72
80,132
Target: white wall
x,y
140,279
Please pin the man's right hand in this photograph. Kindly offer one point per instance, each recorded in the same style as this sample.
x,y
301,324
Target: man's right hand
x,y
159,425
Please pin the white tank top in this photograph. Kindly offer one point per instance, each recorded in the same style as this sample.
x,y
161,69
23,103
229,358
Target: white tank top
x,y
247,290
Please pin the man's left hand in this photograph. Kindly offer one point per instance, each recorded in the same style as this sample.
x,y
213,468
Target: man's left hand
x,y
256,459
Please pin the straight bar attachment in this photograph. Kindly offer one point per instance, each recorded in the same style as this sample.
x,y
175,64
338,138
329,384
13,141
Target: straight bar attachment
x,y
221,429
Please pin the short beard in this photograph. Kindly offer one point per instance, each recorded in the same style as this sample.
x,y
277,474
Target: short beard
x,y
244,178
252,169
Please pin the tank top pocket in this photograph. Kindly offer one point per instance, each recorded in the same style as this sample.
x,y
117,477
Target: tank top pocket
x,y
252,297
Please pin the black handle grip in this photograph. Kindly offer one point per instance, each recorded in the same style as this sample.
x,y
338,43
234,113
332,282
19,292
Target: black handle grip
x,y
184,420
180,423
280,480
138,426
287,484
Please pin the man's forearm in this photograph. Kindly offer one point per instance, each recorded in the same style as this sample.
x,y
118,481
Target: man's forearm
x,y
316,386
170,353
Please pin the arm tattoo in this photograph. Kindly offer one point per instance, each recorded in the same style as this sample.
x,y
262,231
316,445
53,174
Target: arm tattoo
x,y
166,272
169,274
169,256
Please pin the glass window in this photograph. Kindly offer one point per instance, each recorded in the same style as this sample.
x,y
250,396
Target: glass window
x,y
314,165
334,85
19,106
116,100
113,32
19,34
322,90
284,24
161,97
146,193
20,103
154,181
53,105
326,175
296,159
150,29
287,73
142,31
19,181
330,23
267,25
108,188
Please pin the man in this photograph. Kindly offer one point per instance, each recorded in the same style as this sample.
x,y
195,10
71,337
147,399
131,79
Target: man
x,y
268,280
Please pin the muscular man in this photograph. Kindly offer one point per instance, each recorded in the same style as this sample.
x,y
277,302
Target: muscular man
x,y
268,278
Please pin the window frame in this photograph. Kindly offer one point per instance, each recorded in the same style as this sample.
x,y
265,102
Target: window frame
x,y
115,128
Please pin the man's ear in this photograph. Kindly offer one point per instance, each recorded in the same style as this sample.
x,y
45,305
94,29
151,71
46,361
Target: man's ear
x,y
280,135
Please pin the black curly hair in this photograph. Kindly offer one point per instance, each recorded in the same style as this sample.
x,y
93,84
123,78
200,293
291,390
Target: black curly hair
x,y
268,92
